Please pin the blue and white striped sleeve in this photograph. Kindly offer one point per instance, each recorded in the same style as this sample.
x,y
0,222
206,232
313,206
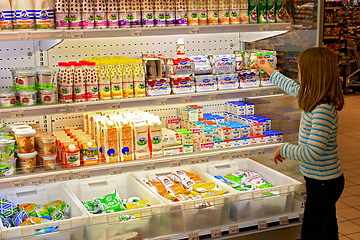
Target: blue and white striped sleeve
x,y
286,84
323,121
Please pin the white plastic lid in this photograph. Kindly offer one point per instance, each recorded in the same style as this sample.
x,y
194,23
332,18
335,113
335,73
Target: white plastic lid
x,y
27,155
89,144
17,128
6,142
48,140
18,124
25,132
8,161
72,147
51,157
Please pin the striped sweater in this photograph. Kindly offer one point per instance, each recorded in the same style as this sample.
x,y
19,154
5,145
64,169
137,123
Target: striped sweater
x,y
317,150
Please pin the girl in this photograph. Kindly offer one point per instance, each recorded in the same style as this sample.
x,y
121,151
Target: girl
x,y
320,97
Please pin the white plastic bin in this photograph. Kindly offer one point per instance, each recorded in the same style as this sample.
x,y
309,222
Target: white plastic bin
x,y
255,203
184,216
43,194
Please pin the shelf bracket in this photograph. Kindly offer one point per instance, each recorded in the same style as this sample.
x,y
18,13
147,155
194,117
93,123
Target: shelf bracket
x,y
46,45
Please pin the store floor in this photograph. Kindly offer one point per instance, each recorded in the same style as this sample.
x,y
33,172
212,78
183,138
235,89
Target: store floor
x,y
348,207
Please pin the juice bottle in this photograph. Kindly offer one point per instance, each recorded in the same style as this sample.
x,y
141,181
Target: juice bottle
x,y
253,9
262,14
270,10
279,9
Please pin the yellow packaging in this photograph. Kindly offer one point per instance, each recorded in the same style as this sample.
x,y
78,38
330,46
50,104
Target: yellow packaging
x,y
110,142
127,74
116,90
128,89
126,140
105,91
139,88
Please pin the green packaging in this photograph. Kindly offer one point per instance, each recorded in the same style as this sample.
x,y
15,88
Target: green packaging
x,y
253,9
279,11
42,212
262,14
92,206
270,10
111,203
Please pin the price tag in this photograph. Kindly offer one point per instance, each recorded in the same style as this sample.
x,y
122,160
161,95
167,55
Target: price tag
x,y
66,176
194,30
233,155
246,154
77,35
24,35
260,152
301,217
17,183
175,163
203,159
216,233
17,114
136,32
233,229
50,179
256,93
224,156
114,106
262,224
284,220
264,27
193,161
35,181
115,170
80,109
161,102
212,97
149,166
186,99
138,237
193,236
84,174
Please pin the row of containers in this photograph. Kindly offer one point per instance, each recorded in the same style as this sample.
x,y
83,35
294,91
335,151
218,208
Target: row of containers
x,y
173,200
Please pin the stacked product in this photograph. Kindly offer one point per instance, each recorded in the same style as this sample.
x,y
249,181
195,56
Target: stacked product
x,y
28,214
33,85
223,67
46,151
7,153
181,185
112,202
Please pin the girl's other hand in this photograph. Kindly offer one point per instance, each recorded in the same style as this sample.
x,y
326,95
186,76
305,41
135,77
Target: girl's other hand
x,y
266,66
277,156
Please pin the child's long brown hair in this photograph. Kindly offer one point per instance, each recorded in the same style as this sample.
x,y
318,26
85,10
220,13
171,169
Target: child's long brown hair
x,y
320,82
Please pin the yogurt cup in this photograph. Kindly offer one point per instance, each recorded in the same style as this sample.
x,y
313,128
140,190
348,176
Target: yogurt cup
x,y
45,77
8,168
47,96
48,144
7,98
18,124
25,79
27,162
7,149
49,162
26,140
26,98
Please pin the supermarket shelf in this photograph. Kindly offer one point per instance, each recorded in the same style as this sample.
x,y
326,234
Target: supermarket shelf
x,y
136,165
136,102
136,32
331,37
330,24
332,8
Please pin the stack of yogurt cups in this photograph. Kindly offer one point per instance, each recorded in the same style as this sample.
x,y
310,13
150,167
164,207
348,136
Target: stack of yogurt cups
x,y
46,85
7,153
25,86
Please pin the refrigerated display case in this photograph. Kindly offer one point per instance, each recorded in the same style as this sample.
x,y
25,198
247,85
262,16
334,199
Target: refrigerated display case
x,y
37,48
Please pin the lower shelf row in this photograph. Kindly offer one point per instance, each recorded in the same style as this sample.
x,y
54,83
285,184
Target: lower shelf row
x,y
177,200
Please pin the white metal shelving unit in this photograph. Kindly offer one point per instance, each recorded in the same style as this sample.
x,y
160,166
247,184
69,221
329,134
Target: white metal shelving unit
x,y
34,48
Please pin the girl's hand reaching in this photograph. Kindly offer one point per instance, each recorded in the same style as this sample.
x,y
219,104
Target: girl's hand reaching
x,y
277,156
266,66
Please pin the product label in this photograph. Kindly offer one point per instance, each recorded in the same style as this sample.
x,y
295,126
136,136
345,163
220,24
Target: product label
x,y
124,20
62,20
234,16
193,19
160,18
253,8
92,92
25,19
112,20
134,18
279,11
100,20
224,17
45,19
203,17
148,19
79,94
213,16
181,18
75,20
5,20
170,18
88,21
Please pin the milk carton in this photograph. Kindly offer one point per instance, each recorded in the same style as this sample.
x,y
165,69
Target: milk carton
x,y
155,137
141,139
110,141
126,149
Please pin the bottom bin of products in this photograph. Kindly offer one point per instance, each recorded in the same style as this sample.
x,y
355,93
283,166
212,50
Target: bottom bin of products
x,y
257,203
125,187
70,228
183,216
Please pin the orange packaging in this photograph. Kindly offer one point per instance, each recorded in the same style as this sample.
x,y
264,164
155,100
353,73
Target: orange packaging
x,y
110,142
213,16
71,155
89,153
224,17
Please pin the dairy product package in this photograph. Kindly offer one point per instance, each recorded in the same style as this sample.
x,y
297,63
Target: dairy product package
x,y
159,12
270,11
222,64
179,67
44,14
24,15
126,140
244,17
182,85
249,79
74,14
155,87
87,14
147,9
100,14
155,136
262,11
206,83
227,81
124,10
193,14
202,64
170,14
141,139
202,13
253,11
181,13
110,142
112,16
6,21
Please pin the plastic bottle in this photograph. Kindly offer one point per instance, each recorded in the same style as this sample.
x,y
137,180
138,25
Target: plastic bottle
x,y
87,14
74,14
253,61
44,14
62,14
6,14
25,14
180,47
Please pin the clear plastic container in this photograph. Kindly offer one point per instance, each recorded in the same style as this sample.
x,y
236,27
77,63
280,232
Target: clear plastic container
x,y
27,162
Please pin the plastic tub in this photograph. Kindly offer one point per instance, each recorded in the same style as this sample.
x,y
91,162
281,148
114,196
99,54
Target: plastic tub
x,y
259,205
48,144
26,98
7,98
27,162
47,96
41,195
8,167
7,149
185,213
126,186
26,141
49,162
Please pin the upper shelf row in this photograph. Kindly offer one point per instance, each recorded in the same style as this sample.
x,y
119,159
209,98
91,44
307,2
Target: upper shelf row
x,y
275,28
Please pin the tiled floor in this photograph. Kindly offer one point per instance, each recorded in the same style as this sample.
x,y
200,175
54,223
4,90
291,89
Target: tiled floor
x,y
348,207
